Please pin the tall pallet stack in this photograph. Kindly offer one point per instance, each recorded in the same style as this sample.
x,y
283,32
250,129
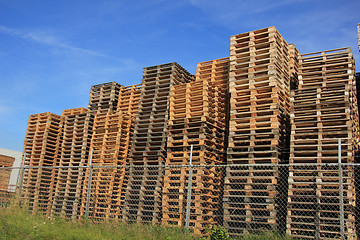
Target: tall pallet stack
x,y
5,161
110,143
324,109
197,117
5,195
259,122
358,29
143,195
114,106
104,96
75,149
294,64
358,87
216,71
42,148
129,97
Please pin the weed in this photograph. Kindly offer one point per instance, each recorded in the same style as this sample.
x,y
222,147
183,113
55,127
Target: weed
x,y
217,233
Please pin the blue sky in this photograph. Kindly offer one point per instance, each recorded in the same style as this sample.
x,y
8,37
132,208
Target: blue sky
x,y
51,52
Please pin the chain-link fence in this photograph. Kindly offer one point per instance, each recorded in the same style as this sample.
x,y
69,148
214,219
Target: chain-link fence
x,y
304,200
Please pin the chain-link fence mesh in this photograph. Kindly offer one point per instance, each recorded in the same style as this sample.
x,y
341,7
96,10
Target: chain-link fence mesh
x,y
302,200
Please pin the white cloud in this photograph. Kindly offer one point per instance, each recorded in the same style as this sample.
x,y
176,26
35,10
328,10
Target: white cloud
x,y
14,108
5,110
136,12
42,37
226,11
10,31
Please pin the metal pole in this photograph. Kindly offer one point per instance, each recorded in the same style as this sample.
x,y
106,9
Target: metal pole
x,y
188,203
21,175
341,194
89,186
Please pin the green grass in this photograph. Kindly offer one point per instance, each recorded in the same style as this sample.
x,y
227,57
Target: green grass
x,y
219,233
17,223
266,235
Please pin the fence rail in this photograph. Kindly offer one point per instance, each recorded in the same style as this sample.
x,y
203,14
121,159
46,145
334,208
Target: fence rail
x,y
303,200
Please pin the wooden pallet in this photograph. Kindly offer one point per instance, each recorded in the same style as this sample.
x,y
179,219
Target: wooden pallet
x,y
129,97
198,99
196,136
255,196
110,142
313,201
149,141
201,156
104,96
326,68
5,177
251,198
253,65
294,64
6,197
261,64
216,71
319,117
5,161
73,111
197,118
205,199
198,223
42,147
323,110
75,149
111,138
108,193
259,87
143,195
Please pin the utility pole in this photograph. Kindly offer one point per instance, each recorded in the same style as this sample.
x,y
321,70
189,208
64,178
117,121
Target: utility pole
x,y
358,28
188,200
88,195
341,194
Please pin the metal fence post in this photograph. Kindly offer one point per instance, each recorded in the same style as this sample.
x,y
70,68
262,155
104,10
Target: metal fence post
x,y
21,175
188,202
89,186
341,194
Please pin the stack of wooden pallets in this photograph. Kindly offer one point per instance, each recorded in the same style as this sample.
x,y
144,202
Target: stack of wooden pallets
x,y
324,109
73,111
42,147
75,149
294,66
217,71
358,28
129,98
115,108
110,143
5,161
237,108
104,96
197,117
5,195
143,195
259,127
358,88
